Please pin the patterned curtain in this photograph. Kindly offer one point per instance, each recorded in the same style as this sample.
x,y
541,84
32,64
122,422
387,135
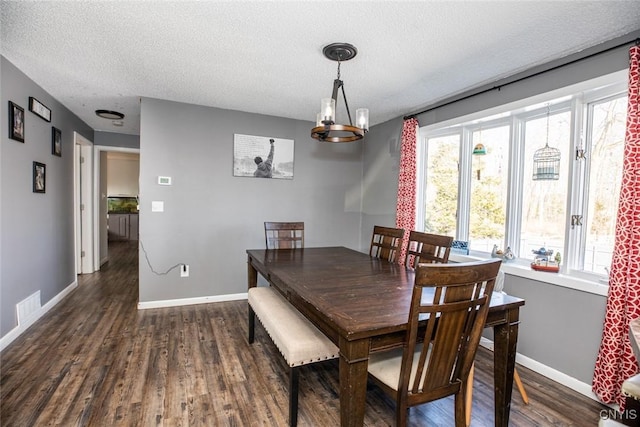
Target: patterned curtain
x,y
407,183
616,361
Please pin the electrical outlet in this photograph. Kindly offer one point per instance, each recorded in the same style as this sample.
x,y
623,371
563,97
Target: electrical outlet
x,y
184,270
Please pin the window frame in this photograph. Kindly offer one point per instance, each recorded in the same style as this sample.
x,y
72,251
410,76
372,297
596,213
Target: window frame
x,y
578,100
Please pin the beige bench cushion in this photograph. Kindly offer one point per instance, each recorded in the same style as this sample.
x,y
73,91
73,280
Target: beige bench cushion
x,y
631,387
299,341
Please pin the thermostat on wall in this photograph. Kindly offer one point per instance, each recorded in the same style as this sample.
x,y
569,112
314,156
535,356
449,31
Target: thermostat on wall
x,y
164,180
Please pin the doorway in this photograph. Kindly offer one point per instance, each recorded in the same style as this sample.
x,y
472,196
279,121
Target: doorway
x,y
107,158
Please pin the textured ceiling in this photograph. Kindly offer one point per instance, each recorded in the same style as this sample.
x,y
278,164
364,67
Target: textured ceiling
x,y
266,56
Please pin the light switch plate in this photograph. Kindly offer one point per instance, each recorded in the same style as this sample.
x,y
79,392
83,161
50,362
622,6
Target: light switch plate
x,y
157,206
164,180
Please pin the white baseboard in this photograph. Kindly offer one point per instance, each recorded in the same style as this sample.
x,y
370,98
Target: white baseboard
x,y
191,301
33,317
549,372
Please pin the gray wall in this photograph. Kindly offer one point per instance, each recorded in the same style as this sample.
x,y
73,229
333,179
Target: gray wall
x,y
36,230
381,160
590,67
212,217
112,139
560,327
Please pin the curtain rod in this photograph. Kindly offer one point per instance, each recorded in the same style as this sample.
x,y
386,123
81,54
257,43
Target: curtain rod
x,y
498,87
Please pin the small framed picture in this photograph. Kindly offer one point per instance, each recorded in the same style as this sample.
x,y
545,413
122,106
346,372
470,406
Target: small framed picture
x,y
39,109
56,142
16,122
39,177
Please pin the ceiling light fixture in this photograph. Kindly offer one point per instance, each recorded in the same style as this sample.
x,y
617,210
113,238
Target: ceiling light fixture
x,y
326,128
110,115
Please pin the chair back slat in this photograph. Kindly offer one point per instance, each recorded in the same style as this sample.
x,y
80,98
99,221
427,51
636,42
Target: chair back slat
x,y
385,242
284,235
427,248
454,300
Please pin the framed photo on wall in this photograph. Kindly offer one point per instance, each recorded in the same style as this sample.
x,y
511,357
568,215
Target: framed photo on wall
x,y
16,122
39,109
262,157
39,177
56,142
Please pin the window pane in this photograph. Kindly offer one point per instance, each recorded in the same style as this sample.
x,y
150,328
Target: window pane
x,y
544,202
441,198
489,179
607,130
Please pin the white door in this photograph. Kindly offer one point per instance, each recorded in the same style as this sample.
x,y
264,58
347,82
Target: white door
x,y
83,209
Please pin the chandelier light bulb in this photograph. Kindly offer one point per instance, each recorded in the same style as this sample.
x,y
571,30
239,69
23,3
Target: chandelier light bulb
x,y
362,118
327,109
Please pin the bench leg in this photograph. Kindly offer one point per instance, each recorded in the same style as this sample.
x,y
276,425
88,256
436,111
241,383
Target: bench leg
x,y
252,323
293,396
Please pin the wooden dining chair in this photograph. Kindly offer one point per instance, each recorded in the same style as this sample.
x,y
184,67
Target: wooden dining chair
x,y
427,248
385,242
284,235
452,300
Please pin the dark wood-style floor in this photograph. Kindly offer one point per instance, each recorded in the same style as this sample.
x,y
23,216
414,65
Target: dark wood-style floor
x,y
96,360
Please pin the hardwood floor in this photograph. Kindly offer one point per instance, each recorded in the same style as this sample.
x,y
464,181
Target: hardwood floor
x,y
96,360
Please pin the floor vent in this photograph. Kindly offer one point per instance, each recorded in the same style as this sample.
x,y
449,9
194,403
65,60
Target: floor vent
x,y
28,307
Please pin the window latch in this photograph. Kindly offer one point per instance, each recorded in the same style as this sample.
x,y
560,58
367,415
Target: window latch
x,y
576,220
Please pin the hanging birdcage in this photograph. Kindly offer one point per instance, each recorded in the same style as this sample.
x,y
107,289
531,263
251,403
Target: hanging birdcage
x,y
546,160
546,164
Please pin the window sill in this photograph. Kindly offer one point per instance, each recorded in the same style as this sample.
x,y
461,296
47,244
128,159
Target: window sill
x,y
557,279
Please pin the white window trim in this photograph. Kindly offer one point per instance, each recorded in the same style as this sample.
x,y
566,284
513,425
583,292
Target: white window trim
x,y
572,280
559,279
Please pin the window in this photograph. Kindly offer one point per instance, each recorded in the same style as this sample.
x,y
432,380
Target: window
x,y
442,194
604,156
544,209
489,196
489,180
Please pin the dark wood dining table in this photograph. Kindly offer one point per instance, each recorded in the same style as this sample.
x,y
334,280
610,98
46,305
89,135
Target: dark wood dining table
x,y
362,304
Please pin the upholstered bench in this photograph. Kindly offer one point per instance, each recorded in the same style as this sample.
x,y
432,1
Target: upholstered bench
x,y
299,341
631,417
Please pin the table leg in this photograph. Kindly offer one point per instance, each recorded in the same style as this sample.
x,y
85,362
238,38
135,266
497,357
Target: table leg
x,y
354,358
504,360
252,275
252,282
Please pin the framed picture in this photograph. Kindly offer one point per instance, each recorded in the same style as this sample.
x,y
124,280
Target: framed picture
x,y
16,122
39,177
56,142
39,109
262,157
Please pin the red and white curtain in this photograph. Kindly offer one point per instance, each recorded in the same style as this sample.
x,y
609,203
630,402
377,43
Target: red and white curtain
x,y
616,361
407,183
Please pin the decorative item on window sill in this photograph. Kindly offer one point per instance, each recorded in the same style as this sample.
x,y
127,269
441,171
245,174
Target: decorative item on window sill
x,y
505,256
543,262
460,246
326,128
546,161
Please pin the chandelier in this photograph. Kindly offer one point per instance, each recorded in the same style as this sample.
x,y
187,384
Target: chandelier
x,y
326,128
